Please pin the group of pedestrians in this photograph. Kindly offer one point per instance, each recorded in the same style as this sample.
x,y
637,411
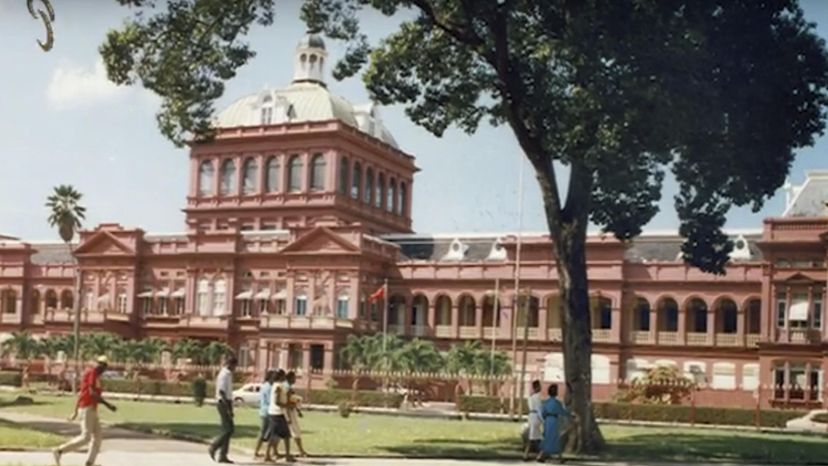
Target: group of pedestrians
x,y
545,420
279,410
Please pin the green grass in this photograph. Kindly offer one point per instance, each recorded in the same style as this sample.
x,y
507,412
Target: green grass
x,y
373,435
15,437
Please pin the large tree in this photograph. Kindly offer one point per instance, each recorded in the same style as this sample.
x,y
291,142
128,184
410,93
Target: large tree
x,y
720,92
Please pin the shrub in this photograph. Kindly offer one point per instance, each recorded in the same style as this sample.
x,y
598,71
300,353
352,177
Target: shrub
x,y
660,385
345,408
364,398
12,378
655,412
199,391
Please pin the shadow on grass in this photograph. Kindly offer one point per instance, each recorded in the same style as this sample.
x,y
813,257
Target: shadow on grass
x,y
718,447
187,431
448,448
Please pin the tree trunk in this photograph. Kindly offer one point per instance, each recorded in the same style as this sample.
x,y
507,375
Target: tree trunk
x,y
584,437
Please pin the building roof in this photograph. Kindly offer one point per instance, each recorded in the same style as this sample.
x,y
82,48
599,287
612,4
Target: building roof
x,y
51,254
808,199
651,247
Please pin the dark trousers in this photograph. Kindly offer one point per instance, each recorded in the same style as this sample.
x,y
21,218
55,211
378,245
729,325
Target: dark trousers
x,y
222,443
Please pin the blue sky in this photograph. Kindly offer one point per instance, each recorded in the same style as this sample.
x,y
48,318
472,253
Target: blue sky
x,y
62,122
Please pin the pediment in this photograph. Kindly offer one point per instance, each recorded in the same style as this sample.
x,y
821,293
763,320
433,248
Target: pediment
x,y
320,240
104,243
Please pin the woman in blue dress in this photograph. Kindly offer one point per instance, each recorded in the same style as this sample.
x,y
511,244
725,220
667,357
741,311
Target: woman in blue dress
x,y
552,411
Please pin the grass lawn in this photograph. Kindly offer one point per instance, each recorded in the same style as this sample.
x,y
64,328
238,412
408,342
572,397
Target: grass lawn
x,y
371,435
14,437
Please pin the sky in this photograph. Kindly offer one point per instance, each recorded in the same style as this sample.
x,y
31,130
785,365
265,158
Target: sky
x,y
63,122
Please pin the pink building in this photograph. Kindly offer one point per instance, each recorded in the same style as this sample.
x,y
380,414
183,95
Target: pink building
x,y
301,208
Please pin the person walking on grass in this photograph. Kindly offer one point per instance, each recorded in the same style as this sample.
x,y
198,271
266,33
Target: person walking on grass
x,y
552,411
264,405
279,404
294,413
535,422
224,405
89,397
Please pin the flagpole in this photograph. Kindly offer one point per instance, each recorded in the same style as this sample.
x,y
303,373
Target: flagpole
x,y
495,321
386,301
516,304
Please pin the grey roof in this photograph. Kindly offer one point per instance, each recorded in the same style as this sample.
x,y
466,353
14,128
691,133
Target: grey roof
x,y
163,237
810,198
47,254
668,249
435,249
312,40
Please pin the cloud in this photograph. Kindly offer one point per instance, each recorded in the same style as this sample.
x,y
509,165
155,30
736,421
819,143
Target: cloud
x,y
74,86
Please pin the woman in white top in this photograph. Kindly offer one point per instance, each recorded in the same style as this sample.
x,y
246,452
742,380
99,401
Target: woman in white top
x,y
293,413
535,420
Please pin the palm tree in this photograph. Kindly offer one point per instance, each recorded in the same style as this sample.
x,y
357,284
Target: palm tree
x,y
215,352
420,356
22,345
187,349
65,214
461,360
98,344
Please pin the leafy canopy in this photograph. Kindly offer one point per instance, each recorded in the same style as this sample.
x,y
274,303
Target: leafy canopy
x,y
720,92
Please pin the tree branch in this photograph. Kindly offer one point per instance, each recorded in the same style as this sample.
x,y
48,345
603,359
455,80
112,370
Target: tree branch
x,y
462,35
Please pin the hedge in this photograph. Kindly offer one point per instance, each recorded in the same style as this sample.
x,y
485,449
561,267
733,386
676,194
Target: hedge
x,y
152,387
334,396
659,413
12,378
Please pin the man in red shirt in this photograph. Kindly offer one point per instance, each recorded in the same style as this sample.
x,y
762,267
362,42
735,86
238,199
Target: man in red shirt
x,y
89,396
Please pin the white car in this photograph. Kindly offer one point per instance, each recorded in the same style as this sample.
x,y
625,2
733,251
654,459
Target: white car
x,y
249,394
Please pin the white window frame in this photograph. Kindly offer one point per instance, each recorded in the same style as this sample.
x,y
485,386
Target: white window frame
x,y
300,302
220,297
146,306
203,297
816,312
246,308
163,306
781,309
342,307
122,303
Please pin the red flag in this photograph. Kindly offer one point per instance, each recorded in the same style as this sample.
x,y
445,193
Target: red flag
x,y
377,295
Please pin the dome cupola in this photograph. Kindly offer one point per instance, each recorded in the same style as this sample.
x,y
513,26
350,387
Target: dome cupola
x,y
309,63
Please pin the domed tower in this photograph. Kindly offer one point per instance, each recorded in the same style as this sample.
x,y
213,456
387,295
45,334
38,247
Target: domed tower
x,y
300,156
309,61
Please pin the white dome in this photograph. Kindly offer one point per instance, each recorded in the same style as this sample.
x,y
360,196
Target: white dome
x,y
301,102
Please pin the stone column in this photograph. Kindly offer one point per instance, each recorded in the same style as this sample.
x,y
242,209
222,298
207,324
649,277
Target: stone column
x,y
407,314
261,181
329,357
768,306
306,357
807,388
711,325
787,327
741,320
284,350
787,381
653,323
478,317
543,320
290,303
682,325
431,318
615,328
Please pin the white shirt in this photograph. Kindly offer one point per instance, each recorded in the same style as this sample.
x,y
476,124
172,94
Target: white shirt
x,y
224,382
534,403
275,409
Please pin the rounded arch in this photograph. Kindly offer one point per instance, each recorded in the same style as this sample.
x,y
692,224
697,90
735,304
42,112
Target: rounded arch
x,y
272,174
554,315
8,301
356,180
344,168
491,310
753,315
442,304
528,311
227,185
466,308
668,314
641,314
51,299
295,174
250,176
601,308
419,310
696,310
67,299
403,199
727,315
391,196
396,309
206,173
34,303
379,194
318,164
368,192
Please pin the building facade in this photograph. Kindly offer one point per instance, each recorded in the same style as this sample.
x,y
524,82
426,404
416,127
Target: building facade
x,y
300,208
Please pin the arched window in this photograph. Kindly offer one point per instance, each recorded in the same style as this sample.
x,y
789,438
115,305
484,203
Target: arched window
x,y
272,178
697,316
667,315
35,304
369,185
601,312
318,172
251,174
491,311
267,110
295,174
392,194
203,297
228,178
205,178
553,311
443,310
403,194
220,297
51,299
343,175
530,308
467,311
641,315
356,181
9,301
67,300
379,195
754,316
727,316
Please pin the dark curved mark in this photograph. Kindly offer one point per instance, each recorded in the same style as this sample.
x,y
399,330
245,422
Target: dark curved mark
x,y
47,17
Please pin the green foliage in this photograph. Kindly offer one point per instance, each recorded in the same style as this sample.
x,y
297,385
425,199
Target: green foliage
x,y
344,408
22,345
199,390
660,385
653,412
10,378
333,397
65,211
